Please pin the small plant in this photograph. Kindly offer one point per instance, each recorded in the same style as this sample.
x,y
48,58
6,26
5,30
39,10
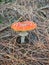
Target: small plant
x,y
0,21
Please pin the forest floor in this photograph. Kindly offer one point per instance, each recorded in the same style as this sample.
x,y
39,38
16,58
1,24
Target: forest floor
x,y
35,50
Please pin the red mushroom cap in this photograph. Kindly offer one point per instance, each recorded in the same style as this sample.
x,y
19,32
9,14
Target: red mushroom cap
x,y
24,26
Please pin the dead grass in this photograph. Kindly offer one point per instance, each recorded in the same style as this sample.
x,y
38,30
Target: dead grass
x,y
36,51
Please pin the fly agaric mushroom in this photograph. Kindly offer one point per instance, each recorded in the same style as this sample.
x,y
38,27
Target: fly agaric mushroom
x,y
23,27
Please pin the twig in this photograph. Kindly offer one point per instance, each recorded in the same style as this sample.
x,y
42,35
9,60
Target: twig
x,y
41,8
8,26
8,35
4,28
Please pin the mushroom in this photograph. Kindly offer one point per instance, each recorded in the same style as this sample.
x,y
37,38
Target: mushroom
x,y
23,27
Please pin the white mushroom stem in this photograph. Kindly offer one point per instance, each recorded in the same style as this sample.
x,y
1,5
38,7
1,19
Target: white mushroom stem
x,y
23,34
22,39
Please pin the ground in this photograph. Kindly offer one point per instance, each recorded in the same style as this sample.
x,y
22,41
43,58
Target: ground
x,y
35,50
